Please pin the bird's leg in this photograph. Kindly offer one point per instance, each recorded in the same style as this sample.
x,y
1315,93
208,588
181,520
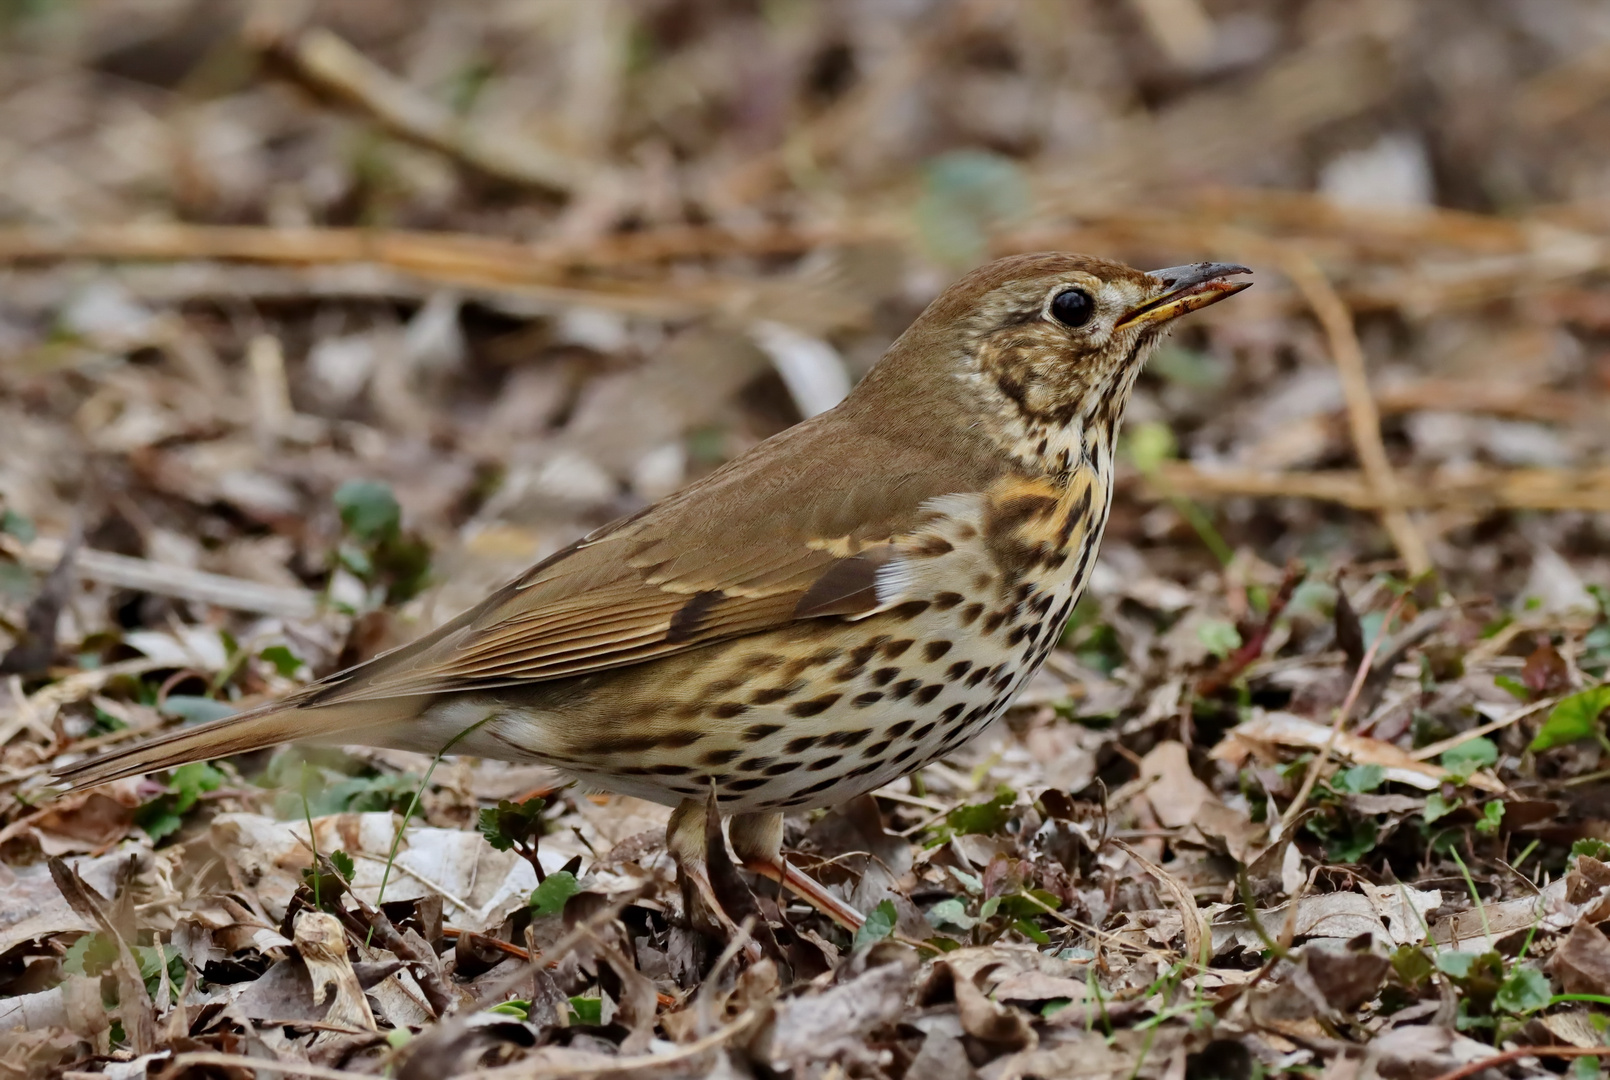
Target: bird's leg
x,y
693,828
758,841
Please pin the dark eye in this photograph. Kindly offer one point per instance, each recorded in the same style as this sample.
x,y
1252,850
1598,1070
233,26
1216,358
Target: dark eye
x,y
1072,307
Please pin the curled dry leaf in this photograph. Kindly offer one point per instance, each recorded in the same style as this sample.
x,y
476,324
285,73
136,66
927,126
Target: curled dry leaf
x,y
323,945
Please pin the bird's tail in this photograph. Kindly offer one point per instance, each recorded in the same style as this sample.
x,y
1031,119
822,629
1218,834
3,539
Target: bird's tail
x,y
255,729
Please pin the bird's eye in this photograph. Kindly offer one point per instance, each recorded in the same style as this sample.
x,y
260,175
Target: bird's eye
x,y
1072,307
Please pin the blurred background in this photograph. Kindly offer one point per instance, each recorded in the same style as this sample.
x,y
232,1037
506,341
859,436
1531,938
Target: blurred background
x,y
319,320
380,301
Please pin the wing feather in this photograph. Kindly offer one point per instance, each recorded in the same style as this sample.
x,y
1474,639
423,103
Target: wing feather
x,y
773,537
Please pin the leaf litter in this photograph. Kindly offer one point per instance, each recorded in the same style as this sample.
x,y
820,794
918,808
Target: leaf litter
x,y
317,325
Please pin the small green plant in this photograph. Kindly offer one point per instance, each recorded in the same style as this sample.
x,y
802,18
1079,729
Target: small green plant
x,y
162,816
879,924
1576,717
549,897
982,818
375,548
515,826
96,953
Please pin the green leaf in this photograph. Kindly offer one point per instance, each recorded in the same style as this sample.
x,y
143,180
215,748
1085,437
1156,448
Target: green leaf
x,y
1150,444
879,924
1411,964
1345,848
196,710
1512,686
151,959
586,1010
17,525
343,864
1219,637
981,818
1032,932
90,955
1456,964
516,1007
189,781
1492,816
1438,807
549,897
368,509
1469,756
1577,717
1592,847
511,824
1358,780
1524,990
1585,1068
951,913
988,908
158,819
284,660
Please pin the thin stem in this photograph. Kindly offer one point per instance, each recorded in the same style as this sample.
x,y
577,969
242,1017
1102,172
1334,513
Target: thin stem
x,y
1314,766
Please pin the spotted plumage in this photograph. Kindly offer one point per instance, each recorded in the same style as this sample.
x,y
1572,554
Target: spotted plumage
x,y
853,598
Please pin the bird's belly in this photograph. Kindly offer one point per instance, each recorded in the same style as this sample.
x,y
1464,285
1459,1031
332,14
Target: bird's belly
x,y
800,717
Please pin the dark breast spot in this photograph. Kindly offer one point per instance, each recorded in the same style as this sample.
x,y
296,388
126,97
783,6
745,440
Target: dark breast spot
x,y
801,744
756,732
884,675
910,609
815,706
902,690
953,711
922,732
993,622
670,770
958,669
870,767
896,649
929,692
749,784
770,694
970,613
826,763
853,737
728,709
932,546
946,600
871,697
934,650
782,767
718,757
876,749
820,785
755,764
897,730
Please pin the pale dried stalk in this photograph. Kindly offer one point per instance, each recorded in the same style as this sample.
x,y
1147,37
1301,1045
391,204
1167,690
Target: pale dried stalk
x,y
1478,490
332,66
1364,419
1312,775
199,586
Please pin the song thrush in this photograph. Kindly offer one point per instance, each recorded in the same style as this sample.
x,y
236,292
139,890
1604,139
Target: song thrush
x,y
849,600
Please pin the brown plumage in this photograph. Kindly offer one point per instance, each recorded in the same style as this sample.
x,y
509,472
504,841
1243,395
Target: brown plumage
x,y
839,605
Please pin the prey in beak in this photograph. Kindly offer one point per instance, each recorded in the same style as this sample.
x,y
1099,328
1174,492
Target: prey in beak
x,y
1187,289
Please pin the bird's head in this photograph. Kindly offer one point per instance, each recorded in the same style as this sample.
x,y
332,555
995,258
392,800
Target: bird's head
x,y
1044,343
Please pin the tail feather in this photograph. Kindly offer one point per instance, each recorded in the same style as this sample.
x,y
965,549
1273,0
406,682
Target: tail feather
x,y
265,726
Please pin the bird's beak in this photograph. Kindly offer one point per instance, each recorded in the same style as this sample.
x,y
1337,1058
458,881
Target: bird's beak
x,y
1186,289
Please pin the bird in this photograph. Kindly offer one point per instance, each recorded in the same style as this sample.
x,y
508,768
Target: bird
x,y
847,601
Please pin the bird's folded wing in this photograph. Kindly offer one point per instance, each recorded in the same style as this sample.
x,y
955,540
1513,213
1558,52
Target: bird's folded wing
x,y
700,567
